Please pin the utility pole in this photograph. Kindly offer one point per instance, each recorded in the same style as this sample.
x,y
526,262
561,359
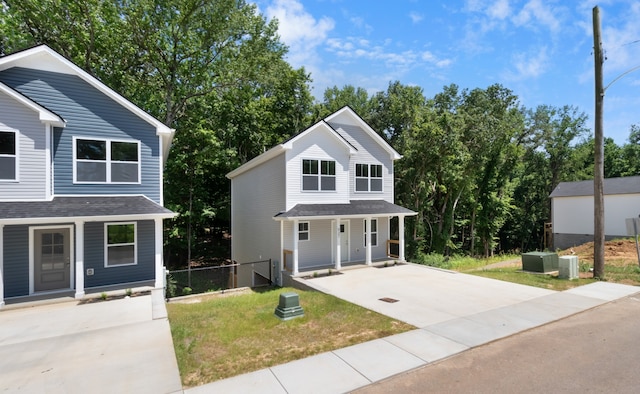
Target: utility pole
x,y
598,171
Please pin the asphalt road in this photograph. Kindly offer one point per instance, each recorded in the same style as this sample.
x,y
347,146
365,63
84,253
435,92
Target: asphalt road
x,y
596,351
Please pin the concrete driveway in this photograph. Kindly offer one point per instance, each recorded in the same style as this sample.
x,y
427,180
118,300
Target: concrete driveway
x,y
424,295
116,346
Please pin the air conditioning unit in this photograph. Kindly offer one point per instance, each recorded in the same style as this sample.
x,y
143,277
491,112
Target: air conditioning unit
x,y
568,267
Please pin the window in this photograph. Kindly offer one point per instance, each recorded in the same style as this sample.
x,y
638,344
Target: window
x,y
105,161
120,244
8,156
374,232
368,177
303,231
318,175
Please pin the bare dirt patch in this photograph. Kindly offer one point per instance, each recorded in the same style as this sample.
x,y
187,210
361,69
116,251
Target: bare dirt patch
x,y
616,253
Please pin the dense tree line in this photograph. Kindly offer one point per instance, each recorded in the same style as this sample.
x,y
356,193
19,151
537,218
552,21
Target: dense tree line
x,y
477,166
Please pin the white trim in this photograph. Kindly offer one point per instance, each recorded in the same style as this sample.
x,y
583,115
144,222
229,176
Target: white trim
x,y
325,217
48,132
288,145
108,161
369,178
15,156
318,176
367,236
308,231
21,59
106,244
79,269
393,154
1,265
32,230
159,266
44,115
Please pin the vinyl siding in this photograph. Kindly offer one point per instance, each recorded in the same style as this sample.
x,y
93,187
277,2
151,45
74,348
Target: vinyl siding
x,y
257,196
89,113
369,152
31,152
94,256
358,252
16,261
317,145
574,215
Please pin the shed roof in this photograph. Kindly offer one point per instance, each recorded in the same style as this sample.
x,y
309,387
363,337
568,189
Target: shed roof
x,y
355,208
81,207
622,185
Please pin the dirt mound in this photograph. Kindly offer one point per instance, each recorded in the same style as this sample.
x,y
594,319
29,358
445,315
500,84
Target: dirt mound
x,y
618,252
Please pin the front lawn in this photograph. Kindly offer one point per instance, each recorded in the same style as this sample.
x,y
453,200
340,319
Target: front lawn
x,y
220,337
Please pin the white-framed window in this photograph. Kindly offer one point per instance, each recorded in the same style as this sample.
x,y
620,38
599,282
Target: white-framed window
x,y
106,161
374,232
368,177
318,175
303,231
120,244
8,155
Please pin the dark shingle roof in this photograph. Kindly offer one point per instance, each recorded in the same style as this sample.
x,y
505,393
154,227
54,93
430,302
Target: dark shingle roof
x,y
354,208
70,207
624,185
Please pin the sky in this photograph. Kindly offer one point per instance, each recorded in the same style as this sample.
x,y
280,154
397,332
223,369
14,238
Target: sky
x,y
542,50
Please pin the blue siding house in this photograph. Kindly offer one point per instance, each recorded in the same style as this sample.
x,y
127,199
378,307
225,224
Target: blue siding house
x,y
81,174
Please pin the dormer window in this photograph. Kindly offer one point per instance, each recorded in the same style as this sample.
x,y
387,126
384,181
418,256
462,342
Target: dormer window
x,y
8,156
318,175
368,177
106,161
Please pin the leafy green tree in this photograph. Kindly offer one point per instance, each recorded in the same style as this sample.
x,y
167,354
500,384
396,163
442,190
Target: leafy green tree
x,y
335,98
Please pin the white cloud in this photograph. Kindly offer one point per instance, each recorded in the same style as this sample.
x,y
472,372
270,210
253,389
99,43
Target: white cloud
x,y
299,30
528,65
499,10
535,11
416,17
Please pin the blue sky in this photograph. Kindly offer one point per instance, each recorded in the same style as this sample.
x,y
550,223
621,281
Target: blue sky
x,y
540,49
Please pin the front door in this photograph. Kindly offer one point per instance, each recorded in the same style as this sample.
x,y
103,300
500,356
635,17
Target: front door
x,y
344,240
52,259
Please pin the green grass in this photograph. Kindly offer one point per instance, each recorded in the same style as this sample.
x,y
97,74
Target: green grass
x,y
516,275
226,336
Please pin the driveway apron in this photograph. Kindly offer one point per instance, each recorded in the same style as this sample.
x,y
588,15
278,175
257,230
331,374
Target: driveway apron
x,y
101,347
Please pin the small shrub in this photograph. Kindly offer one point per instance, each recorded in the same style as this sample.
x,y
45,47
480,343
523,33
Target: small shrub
x,y
315,274
433,260
170,291
103,295
128,292
330,272
187,290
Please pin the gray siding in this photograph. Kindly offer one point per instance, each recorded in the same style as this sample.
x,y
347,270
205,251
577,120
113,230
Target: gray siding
x,y
88,113
16,261
94,256
31,151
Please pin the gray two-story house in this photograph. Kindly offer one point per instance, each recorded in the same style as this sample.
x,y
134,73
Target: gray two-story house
x,y
81,175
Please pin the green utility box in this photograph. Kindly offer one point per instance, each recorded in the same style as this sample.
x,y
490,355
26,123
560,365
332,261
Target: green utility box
x,y
540,261
289,306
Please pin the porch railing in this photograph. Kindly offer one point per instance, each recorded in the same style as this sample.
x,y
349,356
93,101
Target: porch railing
x,y
393,248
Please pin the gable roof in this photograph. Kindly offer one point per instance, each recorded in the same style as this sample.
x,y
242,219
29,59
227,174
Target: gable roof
x,y
622,185
44,114
288,145
42,57
347,111
335,132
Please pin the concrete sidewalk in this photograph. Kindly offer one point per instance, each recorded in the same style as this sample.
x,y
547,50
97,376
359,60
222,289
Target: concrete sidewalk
x,y
485,310
116,346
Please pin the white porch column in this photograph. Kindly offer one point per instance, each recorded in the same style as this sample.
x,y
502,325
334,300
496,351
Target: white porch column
x,y
367,230
295,248
401,238
159,260
282,255
79,257
1,265
338,240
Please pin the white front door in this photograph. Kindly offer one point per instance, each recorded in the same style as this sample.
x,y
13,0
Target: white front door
x,y
344,240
